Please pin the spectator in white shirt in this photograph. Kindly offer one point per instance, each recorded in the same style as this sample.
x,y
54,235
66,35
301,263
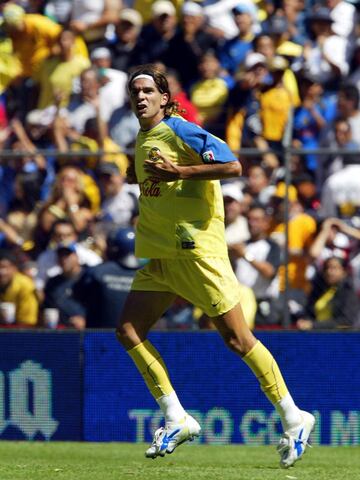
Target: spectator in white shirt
x,y
343,15
325,59
236,226
119,205
113,82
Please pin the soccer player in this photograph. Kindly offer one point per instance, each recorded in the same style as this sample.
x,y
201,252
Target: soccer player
x,y
181,230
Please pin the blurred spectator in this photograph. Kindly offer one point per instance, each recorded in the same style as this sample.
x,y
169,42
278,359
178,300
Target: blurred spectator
x,y
307,193
340,196
258,188
191,41
58,10
91,19
232,54
333,239
301,230
160,31
354,77
10,69
275,102
58,289
186,108
18,301
84,105
210,93
123,126
102,290
144,7
29,166
33,36
119,204
220,17
256,263
295,16
332,302
340,137
275,107
243,121
94,138
21,219
265,45
310,117
127,50
343,15
236,226
56,74
348,109
325,58
278,28
71,199
62,232
113,82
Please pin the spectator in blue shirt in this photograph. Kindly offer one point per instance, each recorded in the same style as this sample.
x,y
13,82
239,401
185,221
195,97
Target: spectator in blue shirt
x,y
102,290
232,54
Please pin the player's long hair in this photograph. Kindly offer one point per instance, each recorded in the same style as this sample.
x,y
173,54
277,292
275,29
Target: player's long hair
x,y
161,82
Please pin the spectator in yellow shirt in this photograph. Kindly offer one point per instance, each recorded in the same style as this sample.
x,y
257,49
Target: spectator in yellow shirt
x,y
302,228
210,93
33,36
275,103
18,301
56,74
265,45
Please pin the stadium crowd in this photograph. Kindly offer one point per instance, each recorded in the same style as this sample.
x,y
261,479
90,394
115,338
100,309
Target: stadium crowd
x,y
241,69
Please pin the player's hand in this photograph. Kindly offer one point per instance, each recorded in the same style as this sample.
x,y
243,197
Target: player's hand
x,y
163,170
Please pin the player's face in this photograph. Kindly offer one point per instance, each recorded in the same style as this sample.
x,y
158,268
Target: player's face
x,y
147,102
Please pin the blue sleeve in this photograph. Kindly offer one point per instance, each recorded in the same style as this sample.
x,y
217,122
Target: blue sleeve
x,y
210,148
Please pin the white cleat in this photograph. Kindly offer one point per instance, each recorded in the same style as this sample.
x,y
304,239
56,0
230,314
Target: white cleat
x,y
294,441
174,434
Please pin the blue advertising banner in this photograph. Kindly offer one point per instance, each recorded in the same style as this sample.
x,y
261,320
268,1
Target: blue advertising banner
x,y
71,386
321,370
40,386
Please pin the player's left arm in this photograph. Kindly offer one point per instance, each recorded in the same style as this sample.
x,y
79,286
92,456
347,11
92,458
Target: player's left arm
x,y
166,171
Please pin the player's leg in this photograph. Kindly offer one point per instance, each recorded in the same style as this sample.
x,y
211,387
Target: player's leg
x,y
140,313
297,425
141,310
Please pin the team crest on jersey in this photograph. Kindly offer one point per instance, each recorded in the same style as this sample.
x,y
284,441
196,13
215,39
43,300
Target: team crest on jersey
x,y
208,156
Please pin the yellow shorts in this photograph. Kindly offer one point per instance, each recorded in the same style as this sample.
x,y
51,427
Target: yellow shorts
x,y
207,283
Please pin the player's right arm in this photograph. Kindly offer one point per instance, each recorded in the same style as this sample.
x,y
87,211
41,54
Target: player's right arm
x,y
167,171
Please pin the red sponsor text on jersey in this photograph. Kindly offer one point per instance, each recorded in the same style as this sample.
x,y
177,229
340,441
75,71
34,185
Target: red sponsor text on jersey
x,y
148,188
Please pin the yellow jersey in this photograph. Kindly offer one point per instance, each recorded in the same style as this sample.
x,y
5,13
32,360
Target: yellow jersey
x,y
184,218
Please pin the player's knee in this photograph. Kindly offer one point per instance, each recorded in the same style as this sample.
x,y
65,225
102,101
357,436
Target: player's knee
x,y
124,335
240,345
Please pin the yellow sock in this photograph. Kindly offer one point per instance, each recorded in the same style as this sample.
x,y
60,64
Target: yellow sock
x,y
152,368
266,370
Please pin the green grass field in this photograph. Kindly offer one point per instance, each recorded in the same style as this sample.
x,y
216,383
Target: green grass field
x,y
122,461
